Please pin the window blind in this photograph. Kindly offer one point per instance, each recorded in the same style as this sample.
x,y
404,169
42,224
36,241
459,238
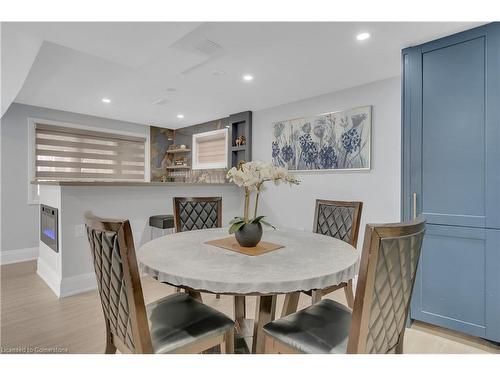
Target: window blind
x,y
64,153
212,151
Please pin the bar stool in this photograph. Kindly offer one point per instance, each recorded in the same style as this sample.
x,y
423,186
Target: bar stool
x,y
162,222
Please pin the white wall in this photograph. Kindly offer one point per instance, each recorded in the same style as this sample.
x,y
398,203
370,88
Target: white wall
x,y
378,189
18,51
136,203
70,270
19,220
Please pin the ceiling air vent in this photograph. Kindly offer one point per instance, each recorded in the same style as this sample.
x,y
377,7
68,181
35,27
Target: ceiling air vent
x,y
208,47
199,47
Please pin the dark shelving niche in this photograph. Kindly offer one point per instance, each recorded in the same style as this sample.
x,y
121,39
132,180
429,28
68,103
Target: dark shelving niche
x,y
240,124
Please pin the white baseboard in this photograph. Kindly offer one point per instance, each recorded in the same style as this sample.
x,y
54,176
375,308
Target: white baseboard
x,y
77,284
66,286
48,275
18,255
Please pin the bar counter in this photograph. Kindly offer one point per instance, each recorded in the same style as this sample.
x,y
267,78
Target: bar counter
x,y
122,183
69,270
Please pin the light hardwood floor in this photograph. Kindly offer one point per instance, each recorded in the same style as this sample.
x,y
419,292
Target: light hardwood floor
x,y
33,317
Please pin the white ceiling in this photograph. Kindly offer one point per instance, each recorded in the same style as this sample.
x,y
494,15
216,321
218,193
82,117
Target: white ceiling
x,y
136,64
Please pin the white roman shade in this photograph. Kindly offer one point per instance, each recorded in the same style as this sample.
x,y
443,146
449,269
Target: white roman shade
x,y
64,153
210,149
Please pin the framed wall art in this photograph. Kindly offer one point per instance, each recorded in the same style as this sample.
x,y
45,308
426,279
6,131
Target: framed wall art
x,y
330,141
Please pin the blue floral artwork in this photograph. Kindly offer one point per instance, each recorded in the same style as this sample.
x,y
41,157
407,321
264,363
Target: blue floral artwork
x,y
337,140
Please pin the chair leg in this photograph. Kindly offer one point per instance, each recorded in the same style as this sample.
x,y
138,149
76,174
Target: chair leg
x,y
178,290
110,347
227,347
399,346
349,295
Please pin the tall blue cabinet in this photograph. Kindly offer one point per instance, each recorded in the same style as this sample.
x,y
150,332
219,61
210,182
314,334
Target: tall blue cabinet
x,y
451,176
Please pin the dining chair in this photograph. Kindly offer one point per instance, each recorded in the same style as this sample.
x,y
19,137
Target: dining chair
x,y
338,219
177,323
377,322
197,213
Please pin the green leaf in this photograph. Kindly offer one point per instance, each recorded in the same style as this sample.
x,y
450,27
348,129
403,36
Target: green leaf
x,y
237,220
235,227
266,223
257,219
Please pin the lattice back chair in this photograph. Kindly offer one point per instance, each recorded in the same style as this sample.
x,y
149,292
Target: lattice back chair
x,y
341,220
176,323
338,219
377,323
119,284
387,274
197,213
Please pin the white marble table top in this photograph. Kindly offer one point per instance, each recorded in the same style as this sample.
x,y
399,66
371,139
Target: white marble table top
x,y
307,261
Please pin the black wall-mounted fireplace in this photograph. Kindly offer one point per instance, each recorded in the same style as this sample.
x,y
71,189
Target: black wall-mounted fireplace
x,y
49,233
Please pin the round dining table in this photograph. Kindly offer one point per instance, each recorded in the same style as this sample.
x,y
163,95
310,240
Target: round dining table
x,y
307,261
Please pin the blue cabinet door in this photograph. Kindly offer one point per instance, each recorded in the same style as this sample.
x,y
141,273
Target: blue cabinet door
x,y
454,288
453,157
451,164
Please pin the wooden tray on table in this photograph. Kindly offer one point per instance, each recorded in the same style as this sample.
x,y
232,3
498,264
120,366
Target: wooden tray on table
x,y
230,243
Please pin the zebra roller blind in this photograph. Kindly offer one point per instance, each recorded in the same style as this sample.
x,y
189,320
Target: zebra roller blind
x,y
76,154
210,149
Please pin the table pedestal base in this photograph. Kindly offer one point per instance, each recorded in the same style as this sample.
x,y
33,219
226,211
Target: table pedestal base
x,y
243,336
265,310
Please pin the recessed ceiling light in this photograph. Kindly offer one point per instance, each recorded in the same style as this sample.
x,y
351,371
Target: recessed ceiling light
x,y
180,115
363,36
106,100
247,77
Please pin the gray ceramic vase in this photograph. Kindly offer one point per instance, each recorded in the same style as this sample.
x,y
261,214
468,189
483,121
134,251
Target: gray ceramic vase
x,y
249,235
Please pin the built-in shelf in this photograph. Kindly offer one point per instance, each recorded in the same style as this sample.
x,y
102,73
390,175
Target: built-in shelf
x,y
241,125
178,151
239,148
179,167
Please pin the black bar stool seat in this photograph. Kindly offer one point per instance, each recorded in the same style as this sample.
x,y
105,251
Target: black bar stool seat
x,y
162,221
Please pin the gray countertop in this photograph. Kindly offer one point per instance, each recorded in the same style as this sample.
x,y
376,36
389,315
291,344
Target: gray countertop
x,y
124,183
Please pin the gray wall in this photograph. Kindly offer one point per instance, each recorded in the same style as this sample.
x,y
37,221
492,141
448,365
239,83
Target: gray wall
x,y
19,220
378,189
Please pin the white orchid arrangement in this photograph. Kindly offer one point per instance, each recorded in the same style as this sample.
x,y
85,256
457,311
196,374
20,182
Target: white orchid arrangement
x,y
252,176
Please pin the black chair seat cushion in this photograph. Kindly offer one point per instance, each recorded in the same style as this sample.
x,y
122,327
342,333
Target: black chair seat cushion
x,y
179,320
319,329
162,221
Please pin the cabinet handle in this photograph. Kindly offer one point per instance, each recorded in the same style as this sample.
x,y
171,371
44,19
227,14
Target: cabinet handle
x,y
414,206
